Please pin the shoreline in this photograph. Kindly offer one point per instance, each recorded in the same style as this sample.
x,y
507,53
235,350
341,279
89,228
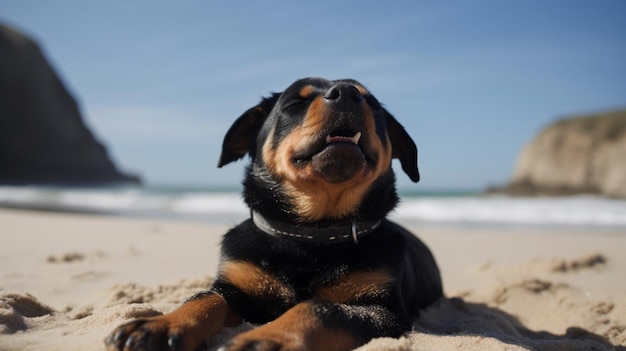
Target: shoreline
x,y
88,273
434,209
216,219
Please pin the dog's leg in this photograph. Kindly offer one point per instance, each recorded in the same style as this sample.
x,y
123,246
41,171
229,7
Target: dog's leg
x,y
185,329
319,325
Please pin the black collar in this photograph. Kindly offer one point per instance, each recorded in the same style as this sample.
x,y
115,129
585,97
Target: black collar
x,y
327,235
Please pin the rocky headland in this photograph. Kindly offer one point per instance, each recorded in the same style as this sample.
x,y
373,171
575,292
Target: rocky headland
x,y
43,139
577,155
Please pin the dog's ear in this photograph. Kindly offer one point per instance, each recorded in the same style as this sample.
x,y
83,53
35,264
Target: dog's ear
x,y
402,147
241,137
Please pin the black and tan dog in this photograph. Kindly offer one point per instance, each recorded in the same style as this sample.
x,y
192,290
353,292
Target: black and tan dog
x,y
317,258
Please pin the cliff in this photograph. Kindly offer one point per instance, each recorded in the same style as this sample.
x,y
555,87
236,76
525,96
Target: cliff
x,y
43,139
585,154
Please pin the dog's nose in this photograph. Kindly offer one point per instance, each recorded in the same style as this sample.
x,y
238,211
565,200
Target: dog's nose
x,y
343,95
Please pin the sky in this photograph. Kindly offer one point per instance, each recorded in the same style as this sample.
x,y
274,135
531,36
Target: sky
x,y
159,83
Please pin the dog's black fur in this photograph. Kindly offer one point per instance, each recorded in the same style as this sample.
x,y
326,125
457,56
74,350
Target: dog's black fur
x,y
320,296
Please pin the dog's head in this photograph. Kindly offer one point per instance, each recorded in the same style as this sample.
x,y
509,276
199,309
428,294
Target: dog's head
x,y
323,144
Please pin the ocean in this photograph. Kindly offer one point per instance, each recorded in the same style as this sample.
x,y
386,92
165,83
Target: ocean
x,y
225,206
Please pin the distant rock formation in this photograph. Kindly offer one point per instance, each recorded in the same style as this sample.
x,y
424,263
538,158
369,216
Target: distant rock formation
x,y
585,154
43,139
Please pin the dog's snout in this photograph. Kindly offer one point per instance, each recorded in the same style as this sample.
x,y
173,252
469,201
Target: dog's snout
x,y
343,94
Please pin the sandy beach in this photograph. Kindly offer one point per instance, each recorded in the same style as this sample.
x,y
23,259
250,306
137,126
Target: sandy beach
x,y
66,280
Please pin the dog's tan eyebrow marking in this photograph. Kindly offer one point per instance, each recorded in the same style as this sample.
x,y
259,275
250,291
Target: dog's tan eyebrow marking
x,y
306,91
255,281
357,286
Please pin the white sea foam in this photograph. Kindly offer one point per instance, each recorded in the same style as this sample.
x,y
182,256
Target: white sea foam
x,y
215,203
228,206
579,210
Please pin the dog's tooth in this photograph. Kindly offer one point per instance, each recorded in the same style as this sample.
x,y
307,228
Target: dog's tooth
x,y
328,139
356,137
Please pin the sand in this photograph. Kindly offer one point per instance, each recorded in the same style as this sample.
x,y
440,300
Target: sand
x,y
66,280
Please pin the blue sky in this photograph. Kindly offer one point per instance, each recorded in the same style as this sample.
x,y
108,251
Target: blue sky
x,y
472,81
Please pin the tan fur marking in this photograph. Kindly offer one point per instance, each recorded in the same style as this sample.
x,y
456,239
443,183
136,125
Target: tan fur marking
x,y
268,153
306,91
357,286
316,116
254,281
214,305
298,329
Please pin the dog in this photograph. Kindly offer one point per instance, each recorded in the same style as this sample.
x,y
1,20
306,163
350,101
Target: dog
x,y
317,265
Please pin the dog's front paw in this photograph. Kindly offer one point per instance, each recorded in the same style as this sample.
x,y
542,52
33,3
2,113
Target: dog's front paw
x,y
186,329
154,333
